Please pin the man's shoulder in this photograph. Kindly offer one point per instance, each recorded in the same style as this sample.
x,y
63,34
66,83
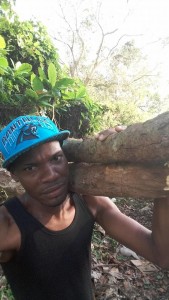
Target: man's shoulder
x,y
96,203
96,199
4,214
6,218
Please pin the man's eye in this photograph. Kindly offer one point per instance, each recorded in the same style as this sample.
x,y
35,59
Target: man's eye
x,y
29,168
57,157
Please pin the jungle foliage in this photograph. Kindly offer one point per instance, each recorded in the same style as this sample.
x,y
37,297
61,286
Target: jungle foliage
x,y
32,80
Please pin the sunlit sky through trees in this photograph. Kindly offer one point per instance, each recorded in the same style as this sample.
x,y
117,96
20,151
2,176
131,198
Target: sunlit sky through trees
x,y
145,21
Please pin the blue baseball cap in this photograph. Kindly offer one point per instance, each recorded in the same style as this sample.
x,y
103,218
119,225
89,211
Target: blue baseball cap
x,y
26,132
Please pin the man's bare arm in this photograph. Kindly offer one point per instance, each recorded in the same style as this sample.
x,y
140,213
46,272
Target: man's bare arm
x,y
160,231
9,236
154,246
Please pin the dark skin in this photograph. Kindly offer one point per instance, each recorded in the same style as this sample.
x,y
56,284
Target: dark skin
x,y
43,172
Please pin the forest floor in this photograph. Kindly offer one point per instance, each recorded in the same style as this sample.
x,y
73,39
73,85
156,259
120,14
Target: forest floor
x,y
119,273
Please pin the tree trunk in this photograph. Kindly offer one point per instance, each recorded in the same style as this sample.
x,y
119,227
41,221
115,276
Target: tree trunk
x,y
142,142
120,180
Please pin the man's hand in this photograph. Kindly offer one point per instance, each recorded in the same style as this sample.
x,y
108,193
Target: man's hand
x,y
101,136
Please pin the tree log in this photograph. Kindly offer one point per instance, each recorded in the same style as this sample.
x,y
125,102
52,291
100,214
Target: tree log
x,y
113,180
141,143
120,180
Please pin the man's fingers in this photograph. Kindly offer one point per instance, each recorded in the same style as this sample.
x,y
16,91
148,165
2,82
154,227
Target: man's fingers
x,y
120,128
101,136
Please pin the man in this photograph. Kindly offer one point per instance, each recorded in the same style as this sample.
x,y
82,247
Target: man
x,y
45,234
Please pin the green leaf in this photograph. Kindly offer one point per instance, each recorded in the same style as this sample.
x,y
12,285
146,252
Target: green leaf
x,y
32,77
37,52
41,73
81,92
52,74
32,94
3,65
3,62
44,97
56,92
22,80
37,84
2,42
23,69
69,95
64,83
44,103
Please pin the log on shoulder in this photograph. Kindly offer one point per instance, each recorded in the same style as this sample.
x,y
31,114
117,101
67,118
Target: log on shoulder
x,y
120,180
142,142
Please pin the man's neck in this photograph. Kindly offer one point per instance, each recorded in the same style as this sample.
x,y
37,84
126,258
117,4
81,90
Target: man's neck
x,y
53,218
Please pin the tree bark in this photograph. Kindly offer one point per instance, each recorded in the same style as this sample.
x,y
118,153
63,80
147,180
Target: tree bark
x,y
141,143
120,180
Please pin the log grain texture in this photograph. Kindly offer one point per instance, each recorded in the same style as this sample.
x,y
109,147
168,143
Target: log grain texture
x,y
120,180
146,142
132,163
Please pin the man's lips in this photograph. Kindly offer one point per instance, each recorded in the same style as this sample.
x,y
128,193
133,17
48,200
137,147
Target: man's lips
x,y
53,188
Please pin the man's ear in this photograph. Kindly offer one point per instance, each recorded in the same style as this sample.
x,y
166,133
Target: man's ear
x,y
14,177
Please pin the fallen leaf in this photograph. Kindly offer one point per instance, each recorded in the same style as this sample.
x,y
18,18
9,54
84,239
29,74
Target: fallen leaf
x,y
115,273
144,266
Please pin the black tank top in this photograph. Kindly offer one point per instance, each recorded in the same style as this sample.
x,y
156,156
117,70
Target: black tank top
x,y
51,265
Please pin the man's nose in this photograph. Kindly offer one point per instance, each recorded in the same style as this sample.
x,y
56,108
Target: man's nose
x,y
49,173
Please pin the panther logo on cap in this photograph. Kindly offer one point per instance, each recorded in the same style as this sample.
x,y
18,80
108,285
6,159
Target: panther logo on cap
x,y
28,132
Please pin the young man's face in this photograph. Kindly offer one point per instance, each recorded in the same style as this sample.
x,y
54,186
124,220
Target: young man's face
x,y
43,172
